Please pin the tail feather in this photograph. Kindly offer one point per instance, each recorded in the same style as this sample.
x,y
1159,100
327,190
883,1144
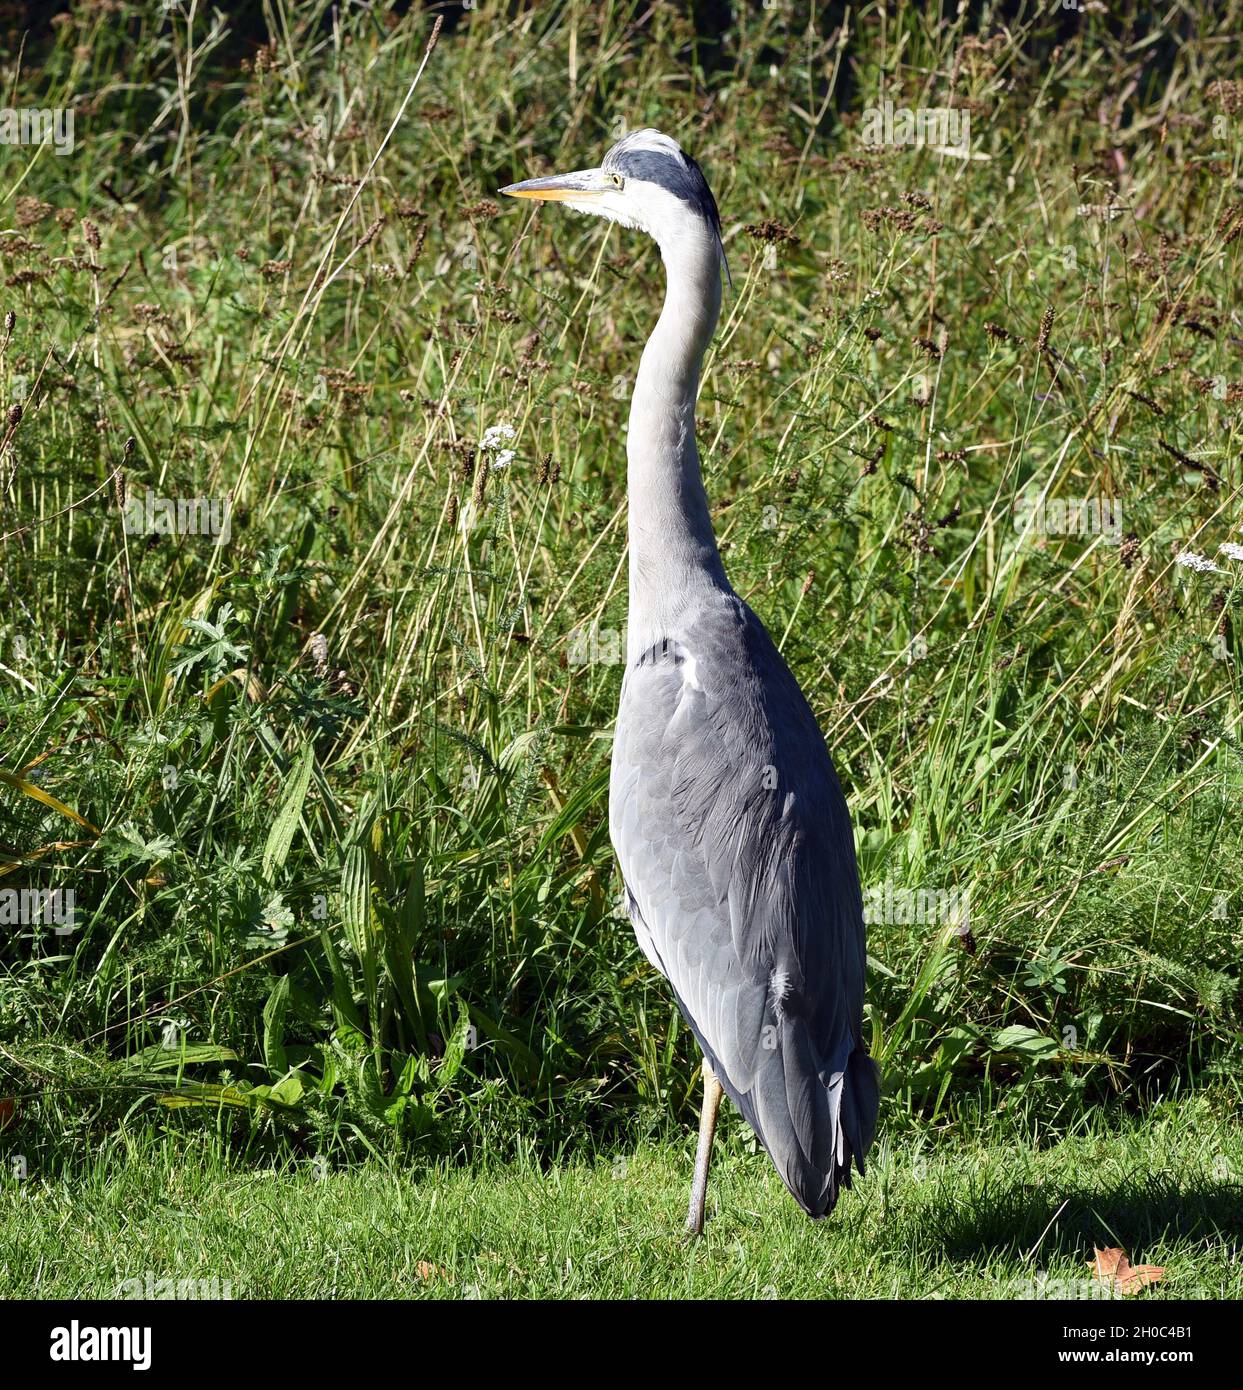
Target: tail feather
x,y
849,1098
814,1122
863,1102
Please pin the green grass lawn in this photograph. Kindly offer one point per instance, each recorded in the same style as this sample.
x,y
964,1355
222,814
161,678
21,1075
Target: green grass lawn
x,y
330,794
933,1219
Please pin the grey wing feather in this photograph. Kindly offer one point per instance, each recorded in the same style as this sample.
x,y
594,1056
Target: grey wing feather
x,y
736,850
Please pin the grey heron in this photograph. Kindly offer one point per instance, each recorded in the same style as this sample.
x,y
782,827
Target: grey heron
x,y
725,813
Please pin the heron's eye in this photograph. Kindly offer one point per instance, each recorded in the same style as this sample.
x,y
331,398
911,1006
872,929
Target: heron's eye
x,y
617,181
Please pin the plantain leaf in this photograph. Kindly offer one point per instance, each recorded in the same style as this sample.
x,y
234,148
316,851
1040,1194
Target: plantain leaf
x,y
274,1027
357,916
280,836
161,1058
345,1011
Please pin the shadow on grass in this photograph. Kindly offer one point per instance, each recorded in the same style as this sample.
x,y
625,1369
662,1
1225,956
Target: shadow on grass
x,y
1066,1220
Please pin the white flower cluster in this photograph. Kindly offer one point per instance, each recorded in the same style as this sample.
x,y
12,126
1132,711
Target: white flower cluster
x,y
493,437
1200,563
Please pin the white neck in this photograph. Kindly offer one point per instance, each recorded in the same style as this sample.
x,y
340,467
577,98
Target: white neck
x,y
674,561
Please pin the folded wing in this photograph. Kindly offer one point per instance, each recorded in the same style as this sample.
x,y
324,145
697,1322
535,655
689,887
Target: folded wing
x,y
735,846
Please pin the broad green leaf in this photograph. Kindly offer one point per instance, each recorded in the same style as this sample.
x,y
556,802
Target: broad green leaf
x,y
357,917
287,1091
1027,1042
455,1047
161,1058
344,1009
274,1027
280,836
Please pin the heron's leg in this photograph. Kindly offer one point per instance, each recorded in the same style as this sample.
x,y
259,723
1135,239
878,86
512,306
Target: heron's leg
x,y
703,1153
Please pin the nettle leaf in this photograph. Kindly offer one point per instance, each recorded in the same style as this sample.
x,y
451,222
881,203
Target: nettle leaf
x,y
269,925
128,842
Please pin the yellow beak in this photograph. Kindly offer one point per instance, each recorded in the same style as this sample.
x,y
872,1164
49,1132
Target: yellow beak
x,y
579,187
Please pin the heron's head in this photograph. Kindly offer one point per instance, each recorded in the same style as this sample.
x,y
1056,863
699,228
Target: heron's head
x,y
646,181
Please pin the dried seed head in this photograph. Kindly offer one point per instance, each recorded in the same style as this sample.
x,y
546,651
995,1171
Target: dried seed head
x,y
1228,93
30,210
370,234
91,232
771,230
1145,400
1046,325
900,218
481,481
1228,216
466,469
1211,480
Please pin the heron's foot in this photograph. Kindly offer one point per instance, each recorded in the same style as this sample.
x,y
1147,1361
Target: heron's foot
x,y
696,1212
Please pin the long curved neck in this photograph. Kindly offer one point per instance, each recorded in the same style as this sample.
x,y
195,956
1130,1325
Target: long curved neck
x,y
673,554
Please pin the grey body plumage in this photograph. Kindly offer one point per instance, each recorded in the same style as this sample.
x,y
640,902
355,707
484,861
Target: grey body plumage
x,y
728,822
736,851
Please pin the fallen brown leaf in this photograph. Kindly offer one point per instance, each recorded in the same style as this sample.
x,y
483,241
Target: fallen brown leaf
x,y
1112,1267
430,1272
